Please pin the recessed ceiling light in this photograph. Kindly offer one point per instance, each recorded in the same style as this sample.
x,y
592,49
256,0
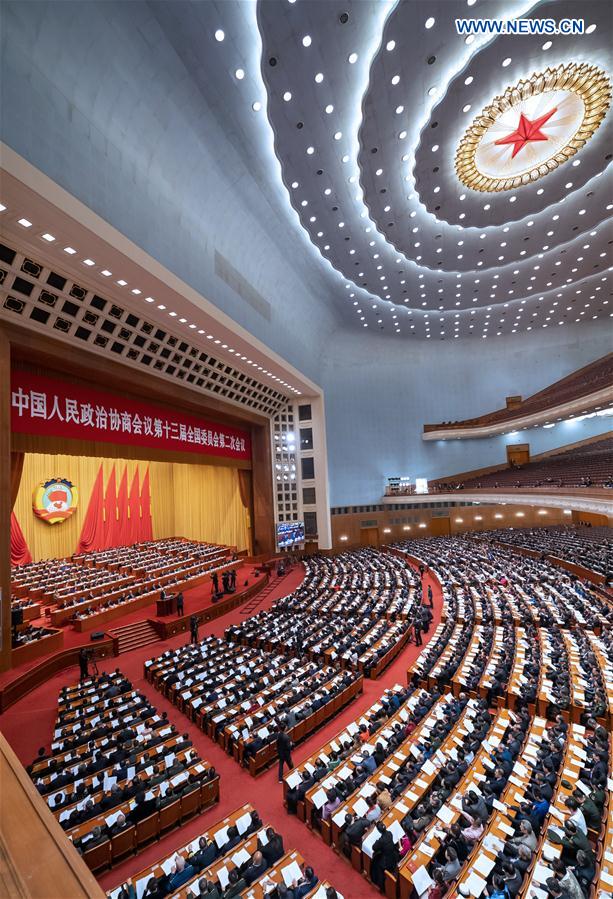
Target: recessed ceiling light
x,y
122,283
547,45
136,291
2,207
329,108
149,300
319,77
395,79
402,135
590,29
310,150
466,108
88,262
106,273
287,96
219,35
240,74
390,46
48,237
430,22
432,91
506,62
25,223
295,185
256,106
306,40
70,250
468,80
353,57
338,135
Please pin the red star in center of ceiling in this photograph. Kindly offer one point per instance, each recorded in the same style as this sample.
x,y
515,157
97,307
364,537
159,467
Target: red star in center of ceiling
x,y
526,131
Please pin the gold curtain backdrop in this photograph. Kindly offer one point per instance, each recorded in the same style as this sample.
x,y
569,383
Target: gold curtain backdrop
x,y
200,502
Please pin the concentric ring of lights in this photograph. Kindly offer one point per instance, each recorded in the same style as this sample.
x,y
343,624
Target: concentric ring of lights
x,y
585,81
366,295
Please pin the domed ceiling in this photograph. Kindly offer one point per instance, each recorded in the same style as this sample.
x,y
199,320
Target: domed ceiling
x,y
456,183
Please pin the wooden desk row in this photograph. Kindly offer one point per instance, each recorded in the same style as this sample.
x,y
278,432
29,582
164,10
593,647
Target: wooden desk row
x,y
134,837
217,834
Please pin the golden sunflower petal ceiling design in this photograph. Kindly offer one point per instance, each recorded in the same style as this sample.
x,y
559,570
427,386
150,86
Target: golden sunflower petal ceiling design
x,y
533,127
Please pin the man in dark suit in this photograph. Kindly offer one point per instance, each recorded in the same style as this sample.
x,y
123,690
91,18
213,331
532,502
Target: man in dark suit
x,y
236,884
205,854
142,809
384,855
180,606
255,870
284,751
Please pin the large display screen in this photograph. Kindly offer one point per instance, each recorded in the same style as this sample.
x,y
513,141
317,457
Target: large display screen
x,y
289,533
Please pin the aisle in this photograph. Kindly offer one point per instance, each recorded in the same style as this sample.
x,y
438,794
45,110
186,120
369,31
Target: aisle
x,y
237,786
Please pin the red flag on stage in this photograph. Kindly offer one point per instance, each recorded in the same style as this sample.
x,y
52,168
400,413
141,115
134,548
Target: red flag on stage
x,y
93,529
123,521
146,530
20,554
110,512
134,509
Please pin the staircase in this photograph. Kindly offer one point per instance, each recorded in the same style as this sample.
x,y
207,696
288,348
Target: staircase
x,y
132,636
258,598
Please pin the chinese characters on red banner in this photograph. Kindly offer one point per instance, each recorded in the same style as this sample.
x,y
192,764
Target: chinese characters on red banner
x,y
56,408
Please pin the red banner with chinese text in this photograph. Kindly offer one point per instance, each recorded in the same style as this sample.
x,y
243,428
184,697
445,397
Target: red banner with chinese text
x,y
55,408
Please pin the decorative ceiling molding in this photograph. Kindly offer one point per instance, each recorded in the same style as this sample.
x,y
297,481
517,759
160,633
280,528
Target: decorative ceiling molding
x,y
587,85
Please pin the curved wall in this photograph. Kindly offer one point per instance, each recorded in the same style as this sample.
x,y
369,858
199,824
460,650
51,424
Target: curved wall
x,y
97,97
379,393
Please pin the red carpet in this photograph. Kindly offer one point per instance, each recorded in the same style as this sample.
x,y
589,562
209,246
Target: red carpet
x,y
28,725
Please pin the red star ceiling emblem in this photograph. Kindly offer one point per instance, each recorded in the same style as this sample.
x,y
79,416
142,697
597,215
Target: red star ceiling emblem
x,y
526,131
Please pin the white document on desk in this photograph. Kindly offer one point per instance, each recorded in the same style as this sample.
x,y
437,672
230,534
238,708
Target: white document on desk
x,y
291,873
421,880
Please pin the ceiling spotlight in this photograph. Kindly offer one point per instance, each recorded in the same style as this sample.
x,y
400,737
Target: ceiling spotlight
x,y
395,79
353,57
219,35
310,151
287,96
70,250
306,40
338,135
25,223
48,237
88,262
430,22
240,74
390,46
506,62
329,108
319,77
256,106
433,91
469,80
547,45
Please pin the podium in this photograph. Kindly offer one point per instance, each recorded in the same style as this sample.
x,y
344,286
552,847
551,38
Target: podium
x,y
167,606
